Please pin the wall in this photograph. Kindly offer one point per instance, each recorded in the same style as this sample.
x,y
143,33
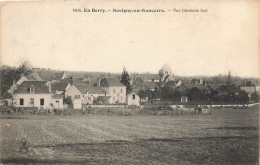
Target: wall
x,y
72,92
77,104
57,105
117,96
36,97
131,101
248,89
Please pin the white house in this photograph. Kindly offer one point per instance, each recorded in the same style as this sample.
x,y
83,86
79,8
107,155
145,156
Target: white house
x,y
132,99
32,94
87,93
115,89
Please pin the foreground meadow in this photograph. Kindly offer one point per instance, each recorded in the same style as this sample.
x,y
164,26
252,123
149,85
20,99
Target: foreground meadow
x,y
229,136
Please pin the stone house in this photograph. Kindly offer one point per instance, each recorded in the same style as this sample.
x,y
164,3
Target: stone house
x,y
115,89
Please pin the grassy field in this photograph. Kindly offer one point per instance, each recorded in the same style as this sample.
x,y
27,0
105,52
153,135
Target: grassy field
x,y
228,136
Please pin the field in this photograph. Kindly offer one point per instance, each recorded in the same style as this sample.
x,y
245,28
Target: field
x,y
228,136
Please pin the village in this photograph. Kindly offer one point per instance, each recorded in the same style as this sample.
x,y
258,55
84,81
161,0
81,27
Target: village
x,y
45,89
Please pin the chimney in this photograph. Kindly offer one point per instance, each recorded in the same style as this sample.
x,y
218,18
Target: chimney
x,y
98,81
49,87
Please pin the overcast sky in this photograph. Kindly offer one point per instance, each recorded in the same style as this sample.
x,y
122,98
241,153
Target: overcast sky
x,y
50,35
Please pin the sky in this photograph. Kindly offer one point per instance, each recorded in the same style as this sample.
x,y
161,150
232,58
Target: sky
x,y
50,35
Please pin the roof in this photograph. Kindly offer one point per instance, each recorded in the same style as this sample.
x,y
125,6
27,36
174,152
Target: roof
x,y
57,96
131,94
199,86
111,82
232,88
170,84
150,76
47,75
213,86
58,87
150,84
30,78
145,85
84,89
39,87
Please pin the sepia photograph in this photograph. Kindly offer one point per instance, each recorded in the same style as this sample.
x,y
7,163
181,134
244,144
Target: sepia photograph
x,y
129,82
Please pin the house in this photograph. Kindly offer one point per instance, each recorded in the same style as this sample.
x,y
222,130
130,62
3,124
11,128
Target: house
x,y
20,81
87,93
222,91
59,88
185,87
232,89
115,89
144,85
248,89
133,99
32,94
170,84
61,75
184,99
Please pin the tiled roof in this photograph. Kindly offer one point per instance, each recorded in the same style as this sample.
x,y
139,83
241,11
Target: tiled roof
x,y
58,87
39,87
47,75
111,82
84,89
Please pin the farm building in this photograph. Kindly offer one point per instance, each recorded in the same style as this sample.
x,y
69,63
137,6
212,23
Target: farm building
x,y
133,99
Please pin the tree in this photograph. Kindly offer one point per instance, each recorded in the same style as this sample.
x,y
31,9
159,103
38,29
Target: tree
x,y
126,80
242,97
255,97
9,75
195,95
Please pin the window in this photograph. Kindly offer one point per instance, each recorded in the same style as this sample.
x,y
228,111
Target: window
x,y
32,101
57,101
121,90
133,96
89,98
31,90
114,90
117,94
41,101
21,101
114,98
121,98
